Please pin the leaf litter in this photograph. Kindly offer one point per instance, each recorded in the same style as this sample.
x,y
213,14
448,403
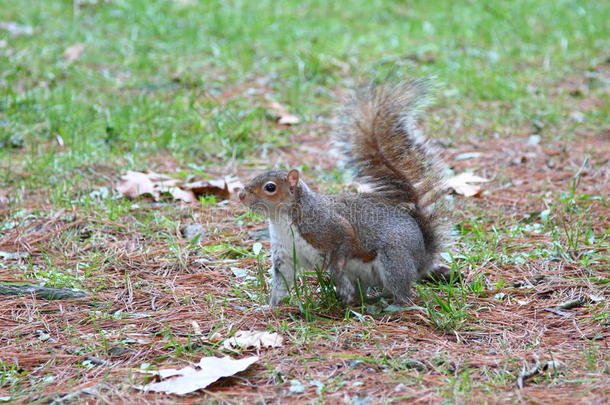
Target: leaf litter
x,y
256,339
73,52
135,184
282,115
190,379
462,184
208,275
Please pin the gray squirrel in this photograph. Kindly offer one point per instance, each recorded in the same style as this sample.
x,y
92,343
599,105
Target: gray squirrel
x,y
388,236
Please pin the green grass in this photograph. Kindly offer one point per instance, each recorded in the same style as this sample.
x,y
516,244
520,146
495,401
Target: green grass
x,y
183,87
152,72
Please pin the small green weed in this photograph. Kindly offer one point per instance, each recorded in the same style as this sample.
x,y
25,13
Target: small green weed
x,y
446,305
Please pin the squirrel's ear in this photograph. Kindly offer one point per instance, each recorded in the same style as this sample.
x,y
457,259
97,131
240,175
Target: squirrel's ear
x,y
293,178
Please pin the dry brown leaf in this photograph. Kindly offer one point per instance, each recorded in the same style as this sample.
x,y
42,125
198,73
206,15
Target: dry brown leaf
x,y
244,339
461,184
282,114
189,379
179,194
218,188
166,184
233,184
135,184
73,52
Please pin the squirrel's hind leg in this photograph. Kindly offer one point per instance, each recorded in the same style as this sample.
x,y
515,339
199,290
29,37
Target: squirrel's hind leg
x,y
399,272
343,285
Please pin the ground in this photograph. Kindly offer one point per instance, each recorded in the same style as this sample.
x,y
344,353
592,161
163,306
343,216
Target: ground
x,y
91,89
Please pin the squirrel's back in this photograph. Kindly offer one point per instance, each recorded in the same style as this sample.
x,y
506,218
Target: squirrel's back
x,y
378,135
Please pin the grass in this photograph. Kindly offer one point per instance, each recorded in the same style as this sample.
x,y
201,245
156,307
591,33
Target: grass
x,y
182,87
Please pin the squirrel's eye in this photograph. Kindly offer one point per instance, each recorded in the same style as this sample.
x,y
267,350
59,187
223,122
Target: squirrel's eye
x,y
270,187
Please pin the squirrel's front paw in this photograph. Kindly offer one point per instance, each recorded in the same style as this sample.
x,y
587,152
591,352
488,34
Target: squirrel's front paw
x,y
345,291
277,296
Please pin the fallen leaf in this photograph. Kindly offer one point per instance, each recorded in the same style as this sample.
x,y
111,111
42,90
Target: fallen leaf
x,y
136,184
296,387
460,184
16,29
14,255
190,379
233,184
256,248
534,139
179,194
319,386
246,339
219,188
73,52
196,328
282,115
237,272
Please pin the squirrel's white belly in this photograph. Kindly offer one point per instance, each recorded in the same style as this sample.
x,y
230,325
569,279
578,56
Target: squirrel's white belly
x,y
367,273
287,242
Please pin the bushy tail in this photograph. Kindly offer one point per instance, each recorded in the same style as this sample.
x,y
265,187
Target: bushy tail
x,y
379,137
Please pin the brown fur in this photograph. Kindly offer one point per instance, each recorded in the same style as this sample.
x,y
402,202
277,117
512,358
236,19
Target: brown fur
x,y
327,241
388,237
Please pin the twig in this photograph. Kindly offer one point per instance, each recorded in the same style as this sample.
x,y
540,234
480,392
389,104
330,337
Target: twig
x,y
525,373
46,293
536,369
576,302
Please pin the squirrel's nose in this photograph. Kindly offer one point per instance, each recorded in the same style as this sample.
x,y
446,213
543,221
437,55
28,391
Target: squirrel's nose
x,y
242,194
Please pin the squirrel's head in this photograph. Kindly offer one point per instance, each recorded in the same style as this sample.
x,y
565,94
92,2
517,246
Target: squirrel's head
x,y
271,193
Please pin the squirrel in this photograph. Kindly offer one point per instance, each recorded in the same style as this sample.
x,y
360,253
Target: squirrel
x,y
388,236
